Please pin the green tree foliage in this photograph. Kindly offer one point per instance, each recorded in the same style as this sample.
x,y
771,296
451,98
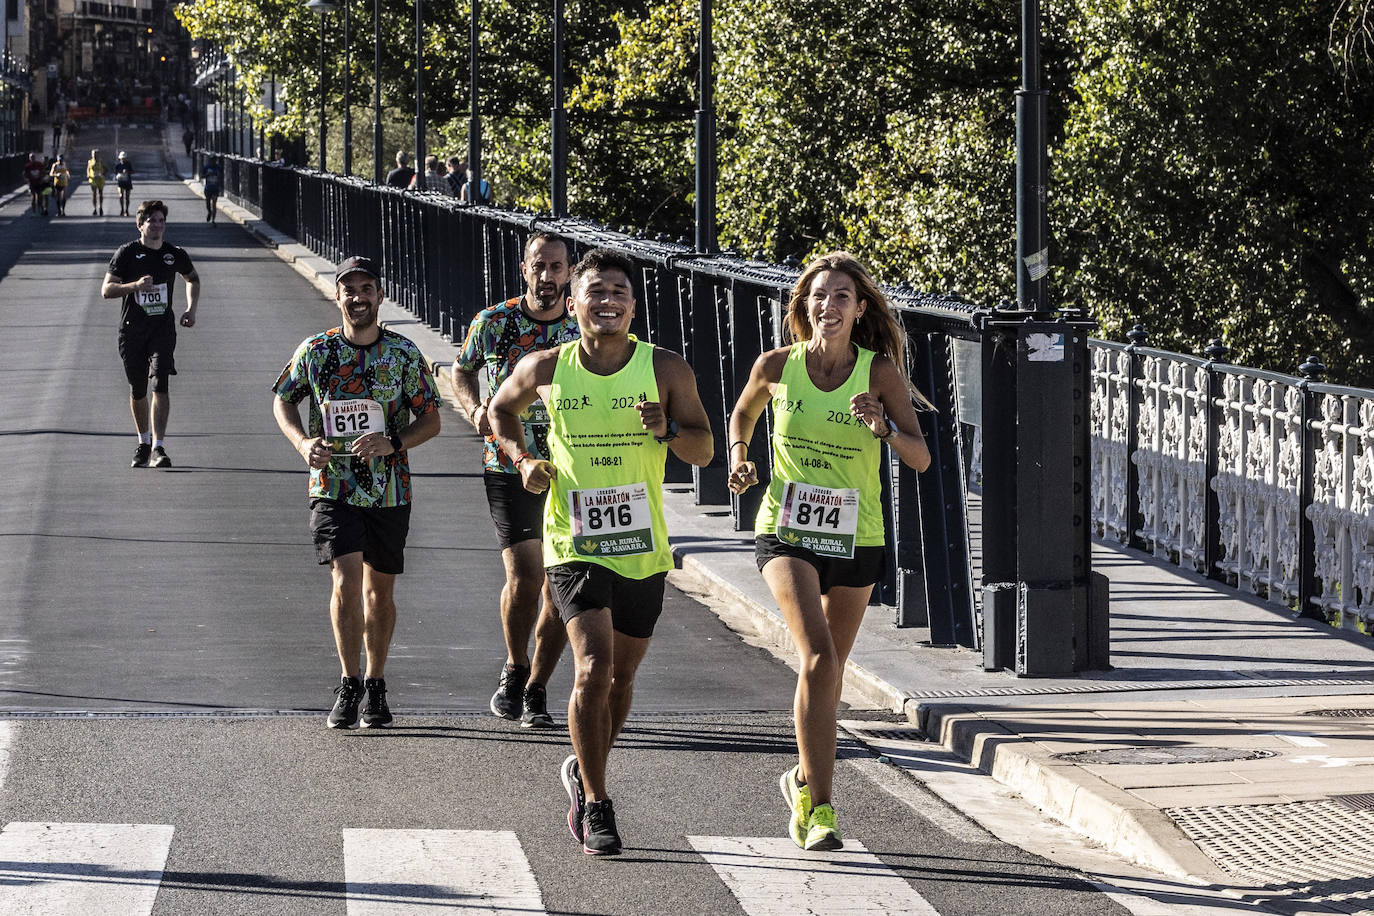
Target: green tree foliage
x,y
1215,179
1211,169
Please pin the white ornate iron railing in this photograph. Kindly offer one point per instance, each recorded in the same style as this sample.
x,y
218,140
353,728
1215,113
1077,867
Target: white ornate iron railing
x,y
1261,480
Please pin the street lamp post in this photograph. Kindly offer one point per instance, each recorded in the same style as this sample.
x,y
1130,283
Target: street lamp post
x,y
348,92
377,172
559,126
321,7
1032,228
474,120
706,138
419,86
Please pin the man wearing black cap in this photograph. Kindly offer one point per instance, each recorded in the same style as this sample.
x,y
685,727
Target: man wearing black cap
x,y
372,398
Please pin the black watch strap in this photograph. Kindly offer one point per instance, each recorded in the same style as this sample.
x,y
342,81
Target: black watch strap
x,y
395,441
670,433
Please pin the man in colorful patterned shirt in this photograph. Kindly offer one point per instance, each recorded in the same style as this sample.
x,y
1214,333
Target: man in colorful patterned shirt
x,y
372,398
498,338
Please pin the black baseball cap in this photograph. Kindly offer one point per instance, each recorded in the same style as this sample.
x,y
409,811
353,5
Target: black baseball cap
x,y
358,265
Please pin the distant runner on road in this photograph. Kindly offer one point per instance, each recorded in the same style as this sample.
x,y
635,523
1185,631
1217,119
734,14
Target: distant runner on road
x,y
372,398
838,394
498,338
143,273
211,175
124,180
616,406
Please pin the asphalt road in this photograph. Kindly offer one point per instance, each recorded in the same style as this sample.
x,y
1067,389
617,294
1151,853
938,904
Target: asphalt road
x,y
166,663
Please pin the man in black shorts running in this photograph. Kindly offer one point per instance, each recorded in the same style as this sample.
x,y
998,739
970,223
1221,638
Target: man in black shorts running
x,y
372,397
616,408
143,273
497,339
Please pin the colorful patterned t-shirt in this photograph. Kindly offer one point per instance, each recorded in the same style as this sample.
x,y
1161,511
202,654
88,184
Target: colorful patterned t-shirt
x,y
326,369
498,337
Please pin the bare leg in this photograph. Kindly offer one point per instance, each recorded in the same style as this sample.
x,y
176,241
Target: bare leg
x,y
139,408
823,630
524,562
550,637
162,407
379,618
589,711
346,610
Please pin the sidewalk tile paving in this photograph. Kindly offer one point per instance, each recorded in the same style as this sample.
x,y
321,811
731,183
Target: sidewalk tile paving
x,y
1198,667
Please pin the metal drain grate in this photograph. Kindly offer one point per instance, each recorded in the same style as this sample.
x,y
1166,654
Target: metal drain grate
x,y
1342,713
1355,802
1316,851
1149,755
891,734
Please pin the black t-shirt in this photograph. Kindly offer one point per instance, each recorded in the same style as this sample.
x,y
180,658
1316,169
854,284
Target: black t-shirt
x,y
135,260
124,175
400,177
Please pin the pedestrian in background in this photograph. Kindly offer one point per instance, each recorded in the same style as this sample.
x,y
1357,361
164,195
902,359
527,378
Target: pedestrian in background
x,y
432,179
61,176
497,339
482,191
35,175
124,179
95,174
456,175
143,273
211,176
838,393
400,176
372,399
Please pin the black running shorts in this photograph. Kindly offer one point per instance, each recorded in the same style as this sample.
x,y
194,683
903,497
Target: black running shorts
x,y
378,534
635,603
517,513
147,352
865,569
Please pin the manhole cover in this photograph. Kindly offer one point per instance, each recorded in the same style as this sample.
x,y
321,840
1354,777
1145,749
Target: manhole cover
x,y
1342,713
1145,755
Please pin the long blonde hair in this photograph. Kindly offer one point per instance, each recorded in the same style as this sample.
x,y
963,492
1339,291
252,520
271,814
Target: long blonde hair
x,y
877,329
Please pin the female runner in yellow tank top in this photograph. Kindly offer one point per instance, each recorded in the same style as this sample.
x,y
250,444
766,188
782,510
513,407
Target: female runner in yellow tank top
x,y
836,394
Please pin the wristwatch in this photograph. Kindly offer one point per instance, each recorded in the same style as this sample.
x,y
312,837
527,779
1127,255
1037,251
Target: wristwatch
x,y
395,441
670,434
891,430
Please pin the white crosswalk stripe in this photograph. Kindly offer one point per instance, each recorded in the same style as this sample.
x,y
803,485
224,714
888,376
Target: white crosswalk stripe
x,y
80,869
432,872
772,877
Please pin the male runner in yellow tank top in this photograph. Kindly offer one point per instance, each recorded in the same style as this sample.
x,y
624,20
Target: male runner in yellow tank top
x,y
616,406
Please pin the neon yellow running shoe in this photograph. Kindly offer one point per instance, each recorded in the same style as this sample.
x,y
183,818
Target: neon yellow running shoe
x,y
824,832
798,798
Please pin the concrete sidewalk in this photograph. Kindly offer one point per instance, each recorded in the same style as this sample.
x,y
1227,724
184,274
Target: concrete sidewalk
x,y
1231,745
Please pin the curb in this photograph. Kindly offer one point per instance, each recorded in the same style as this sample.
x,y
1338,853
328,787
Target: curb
x,y
1124,825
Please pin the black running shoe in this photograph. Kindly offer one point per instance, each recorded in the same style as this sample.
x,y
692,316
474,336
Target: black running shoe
x,y
536,711
345,711
376,714
572,782
599,836
160,459
141,455
510,692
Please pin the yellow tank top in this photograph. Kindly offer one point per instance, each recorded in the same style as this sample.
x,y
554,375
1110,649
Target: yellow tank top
x,y
825,490
606,504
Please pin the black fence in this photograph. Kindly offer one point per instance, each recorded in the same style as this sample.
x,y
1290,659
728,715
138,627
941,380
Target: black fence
x,y
444,261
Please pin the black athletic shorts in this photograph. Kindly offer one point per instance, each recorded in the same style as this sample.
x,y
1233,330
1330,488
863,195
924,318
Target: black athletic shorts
x,y
379,534
865,569
147,352
517,513
635,603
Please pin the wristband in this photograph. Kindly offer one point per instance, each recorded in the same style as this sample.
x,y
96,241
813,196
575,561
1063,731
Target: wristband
x,y
739,442
522,456
395,442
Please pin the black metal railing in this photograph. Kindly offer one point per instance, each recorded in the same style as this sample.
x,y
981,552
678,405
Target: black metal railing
x,y
445,261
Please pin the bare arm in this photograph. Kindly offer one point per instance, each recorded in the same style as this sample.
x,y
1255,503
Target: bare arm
x,y
114,288
753,400
468,390
188,319
677,389
518,391
314,450
888,397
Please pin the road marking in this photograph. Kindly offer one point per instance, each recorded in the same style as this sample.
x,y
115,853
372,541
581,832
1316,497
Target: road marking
x,y
770,876
1297,739
80,869
433,872
7,730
